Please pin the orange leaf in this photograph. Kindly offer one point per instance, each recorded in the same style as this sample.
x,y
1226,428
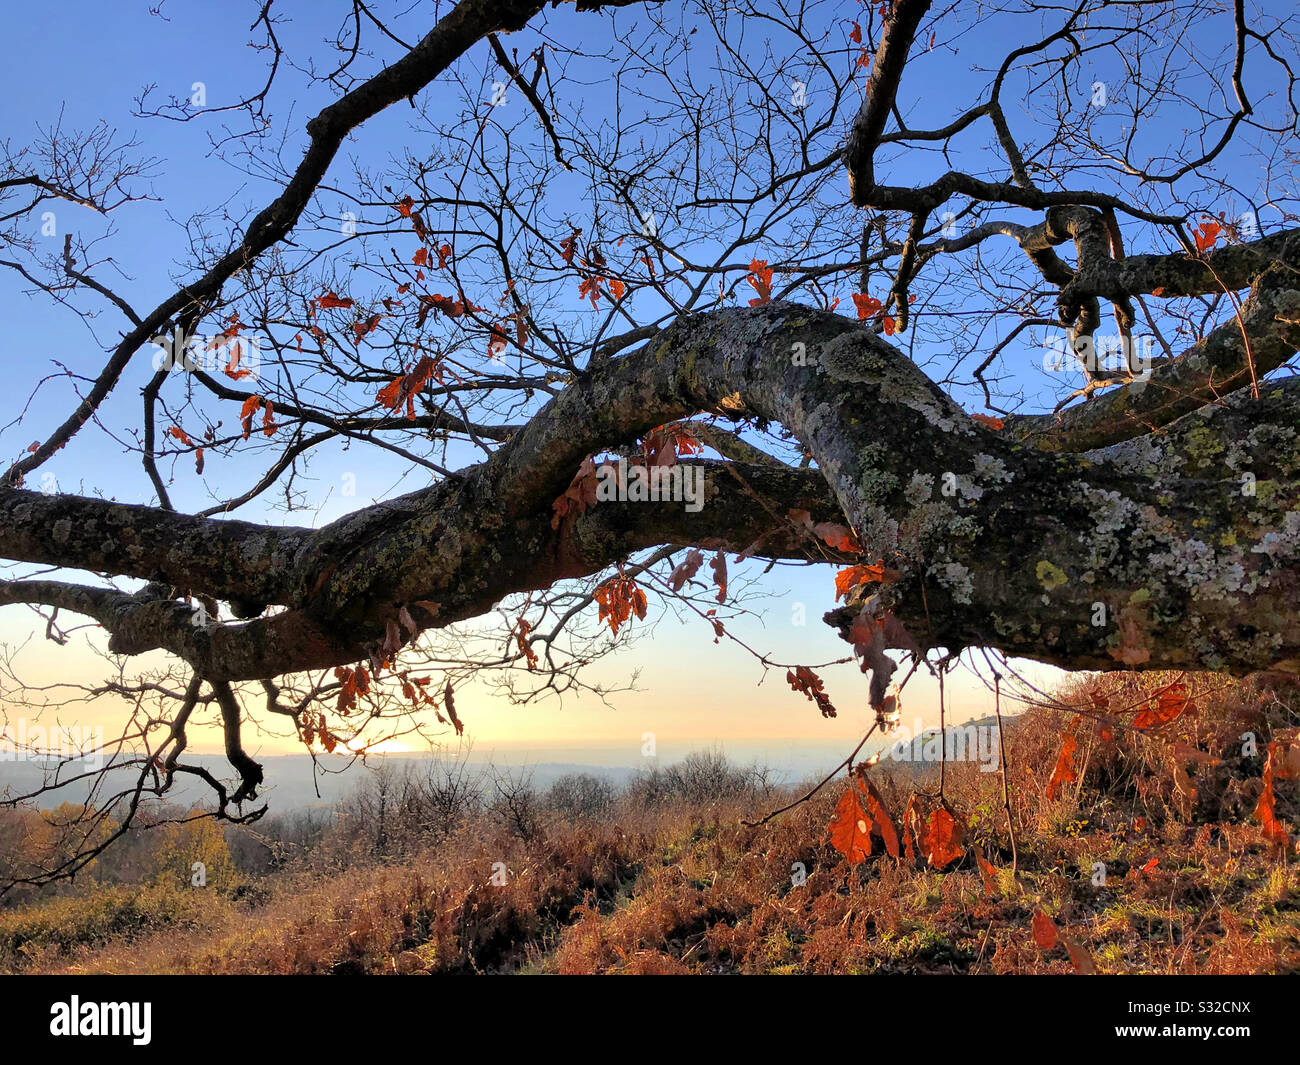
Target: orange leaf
x,y
1044,930
840,537
421,257
233,369
803,679
1171,702
619,598
884,823
760,277
1079,958
686,569
866,305
247,411
942,841
1064,771
719,567
850,828
497,341
1206,235
911,819
988,421
1275,767
331,300
848,579
580,494
450,704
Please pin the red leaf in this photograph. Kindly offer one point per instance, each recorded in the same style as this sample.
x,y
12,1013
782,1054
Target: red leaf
x,y
1064,771
988,421
247,411
850,828
686,569
1275,768
1044,930
760,277
719,567
803,679
450,704
840,537
1171,702
848,579
497,341
568,245
884,823
866,305
1079,958
331,300
1206,235
942,841
580,494
619,598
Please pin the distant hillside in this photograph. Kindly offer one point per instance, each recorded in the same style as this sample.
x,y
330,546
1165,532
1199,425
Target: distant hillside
x,y
292,781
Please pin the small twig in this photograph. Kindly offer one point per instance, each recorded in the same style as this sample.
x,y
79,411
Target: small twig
x,y
818,787
1002,752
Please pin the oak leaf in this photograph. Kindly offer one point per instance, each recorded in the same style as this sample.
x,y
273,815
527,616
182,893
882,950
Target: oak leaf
x,y
942,841
850,828
1064,771
1044,930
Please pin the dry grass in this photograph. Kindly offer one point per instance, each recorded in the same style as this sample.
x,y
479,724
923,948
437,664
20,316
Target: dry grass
x,y
1190,884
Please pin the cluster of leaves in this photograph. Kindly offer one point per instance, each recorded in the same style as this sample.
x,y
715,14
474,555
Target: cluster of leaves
x,y
403,388
803,679
250,407
619,598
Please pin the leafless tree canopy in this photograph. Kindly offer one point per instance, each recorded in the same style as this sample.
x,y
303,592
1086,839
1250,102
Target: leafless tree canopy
x,y
795,235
